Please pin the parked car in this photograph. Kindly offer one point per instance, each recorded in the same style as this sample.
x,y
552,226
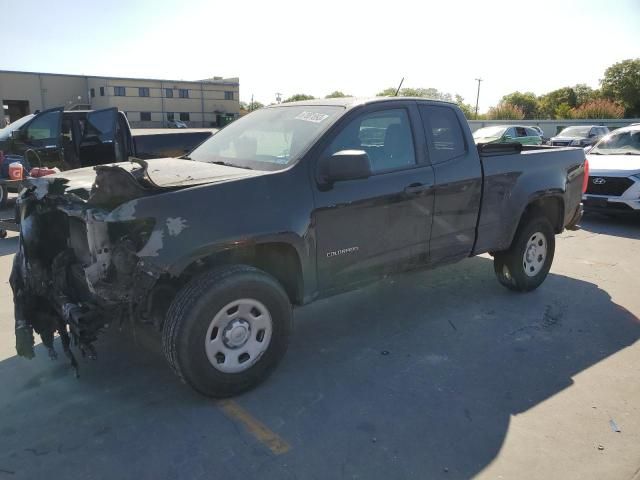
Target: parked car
x,y
289,204
177,124
614,173
579,136
545,139
507,134
68,139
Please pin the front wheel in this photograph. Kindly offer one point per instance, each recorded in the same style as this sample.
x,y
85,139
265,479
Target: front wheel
x,y
526,264
227,329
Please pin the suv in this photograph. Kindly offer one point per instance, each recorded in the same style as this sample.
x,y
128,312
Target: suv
x,y
579,136
614,174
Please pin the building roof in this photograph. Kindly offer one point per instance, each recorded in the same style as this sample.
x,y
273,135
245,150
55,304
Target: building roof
x,y
223,81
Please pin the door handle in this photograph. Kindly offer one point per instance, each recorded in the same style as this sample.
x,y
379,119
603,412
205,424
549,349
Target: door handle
x,y
416,189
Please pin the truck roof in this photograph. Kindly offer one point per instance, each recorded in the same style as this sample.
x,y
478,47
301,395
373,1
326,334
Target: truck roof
x,y
350,102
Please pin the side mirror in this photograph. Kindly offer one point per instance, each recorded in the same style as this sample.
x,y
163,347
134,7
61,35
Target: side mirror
x,y
346,165
18,134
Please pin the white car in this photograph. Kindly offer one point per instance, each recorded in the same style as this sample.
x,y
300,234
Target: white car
x,y
614,173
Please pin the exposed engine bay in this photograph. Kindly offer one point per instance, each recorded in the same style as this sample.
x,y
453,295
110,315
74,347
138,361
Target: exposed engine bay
x,y
86,259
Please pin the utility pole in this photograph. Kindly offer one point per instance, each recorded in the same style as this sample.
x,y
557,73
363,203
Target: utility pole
x,y
478,96
278,97
251,104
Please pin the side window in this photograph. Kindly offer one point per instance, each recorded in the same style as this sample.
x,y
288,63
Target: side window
x,y
385,136
532,133
443,131
45,127
511,132
521,132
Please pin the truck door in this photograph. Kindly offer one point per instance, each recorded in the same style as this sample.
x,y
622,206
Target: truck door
x,y
100,142
39,140
458,186
370,227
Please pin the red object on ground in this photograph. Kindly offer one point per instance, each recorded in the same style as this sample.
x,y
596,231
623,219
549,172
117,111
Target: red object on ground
x,y
16,171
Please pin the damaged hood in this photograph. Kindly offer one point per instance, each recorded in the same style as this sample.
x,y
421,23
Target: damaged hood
x,y
163,172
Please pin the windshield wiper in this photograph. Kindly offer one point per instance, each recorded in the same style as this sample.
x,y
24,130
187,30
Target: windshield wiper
x,y
226,164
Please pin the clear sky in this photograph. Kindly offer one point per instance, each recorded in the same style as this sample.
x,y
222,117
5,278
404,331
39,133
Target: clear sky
x,y
316,47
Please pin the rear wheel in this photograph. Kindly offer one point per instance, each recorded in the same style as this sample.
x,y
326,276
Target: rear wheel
x,y
526,264
227,330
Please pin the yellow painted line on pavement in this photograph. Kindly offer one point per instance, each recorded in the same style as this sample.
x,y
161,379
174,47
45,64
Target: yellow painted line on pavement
x,y
255,427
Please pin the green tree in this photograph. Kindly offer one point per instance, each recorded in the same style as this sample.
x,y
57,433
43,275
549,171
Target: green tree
x,y
563,111
430,93
466,108
584,93
337,94
621,83
527,102
505,111
550,102
298,97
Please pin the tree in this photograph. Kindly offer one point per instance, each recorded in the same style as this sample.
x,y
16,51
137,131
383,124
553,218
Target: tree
x,y
505,111
584,93
563,110
621,83
549,103
298,97
466,108
337,94
430,93
601,108
527,102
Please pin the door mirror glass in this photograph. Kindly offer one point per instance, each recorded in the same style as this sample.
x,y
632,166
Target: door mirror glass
x,y
346,165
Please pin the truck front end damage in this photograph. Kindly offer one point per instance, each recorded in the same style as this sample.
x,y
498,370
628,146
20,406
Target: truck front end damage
x,y
79,268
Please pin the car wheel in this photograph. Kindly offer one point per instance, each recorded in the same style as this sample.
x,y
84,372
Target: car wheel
x,y
227,329
4,195
526,264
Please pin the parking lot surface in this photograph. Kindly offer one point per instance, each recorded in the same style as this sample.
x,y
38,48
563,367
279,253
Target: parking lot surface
x,y
436,374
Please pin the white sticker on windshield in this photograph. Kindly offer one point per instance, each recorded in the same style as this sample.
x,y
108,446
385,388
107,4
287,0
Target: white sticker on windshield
x,y
312,117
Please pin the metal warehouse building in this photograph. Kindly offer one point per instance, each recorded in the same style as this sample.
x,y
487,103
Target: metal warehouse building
x,y
147,102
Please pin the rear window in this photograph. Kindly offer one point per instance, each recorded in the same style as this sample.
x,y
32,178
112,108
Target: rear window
x,y
443,132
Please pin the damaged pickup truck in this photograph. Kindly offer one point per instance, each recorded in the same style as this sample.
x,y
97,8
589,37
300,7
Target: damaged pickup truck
x,y
287,205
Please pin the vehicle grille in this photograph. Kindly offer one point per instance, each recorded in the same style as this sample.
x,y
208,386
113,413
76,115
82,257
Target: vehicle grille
x,y
558,143
612,186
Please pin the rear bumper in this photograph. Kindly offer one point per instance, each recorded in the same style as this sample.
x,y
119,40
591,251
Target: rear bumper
x,y
604,204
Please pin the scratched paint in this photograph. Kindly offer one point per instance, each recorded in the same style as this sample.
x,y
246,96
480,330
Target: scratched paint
x,y
255,427
175,225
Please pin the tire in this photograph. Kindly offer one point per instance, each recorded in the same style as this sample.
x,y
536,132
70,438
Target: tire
x,y
4,195
520,268
205,327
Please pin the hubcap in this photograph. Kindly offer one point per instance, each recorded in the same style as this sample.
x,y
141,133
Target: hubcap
x,y
238,335
535,254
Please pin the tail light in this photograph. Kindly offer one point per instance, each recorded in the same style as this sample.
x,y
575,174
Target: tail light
x,y
585,180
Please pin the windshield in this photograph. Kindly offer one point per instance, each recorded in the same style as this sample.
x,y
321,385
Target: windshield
x,y
5,133
488,132
267,139
575,132
622,143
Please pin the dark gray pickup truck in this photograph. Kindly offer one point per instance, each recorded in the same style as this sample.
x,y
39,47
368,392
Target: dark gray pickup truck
x,y
287,205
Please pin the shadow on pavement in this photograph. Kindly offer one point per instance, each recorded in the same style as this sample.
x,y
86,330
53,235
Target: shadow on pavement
x,y
404,379
627,226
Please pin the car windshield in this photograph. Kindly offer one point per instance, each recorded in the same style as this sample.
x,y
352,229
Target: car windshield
x,y
575,132
619,143
488,132
269,138
5,133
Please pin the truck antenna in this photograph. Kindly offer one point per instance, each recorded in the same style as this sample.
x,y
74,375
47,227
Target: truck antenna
x,y
398,89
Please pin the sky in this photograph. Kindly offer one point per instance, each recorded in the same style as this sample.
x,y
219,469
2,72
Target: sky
x,y
316,47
